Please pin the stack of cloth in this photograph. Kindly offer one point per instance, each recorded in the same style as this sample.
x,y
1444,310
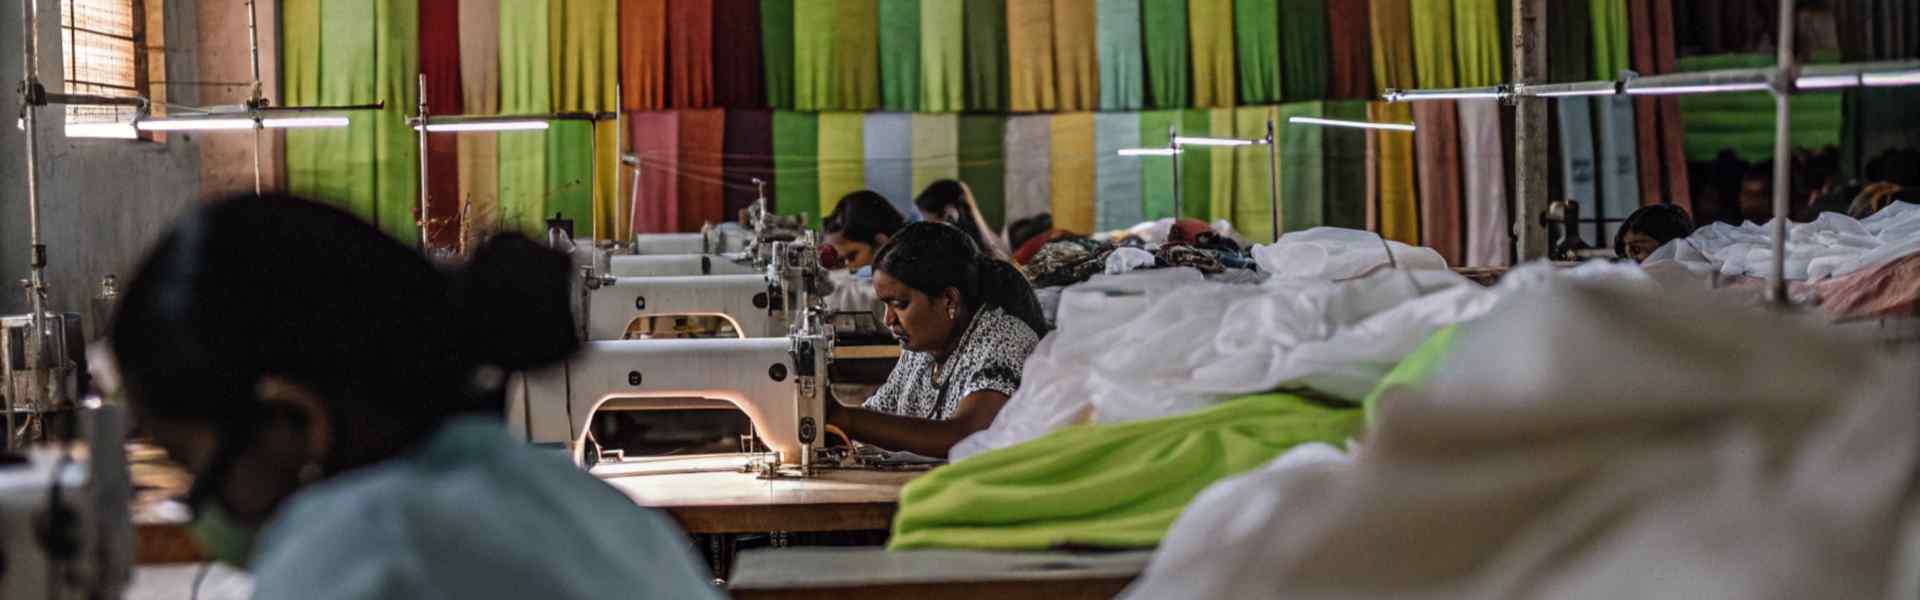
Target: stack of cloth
x,y
1854,269
1059,259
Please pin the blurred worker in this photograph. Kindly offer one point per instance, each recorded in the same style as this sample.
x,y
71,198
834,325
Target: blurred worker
x,y
1649,228
951,202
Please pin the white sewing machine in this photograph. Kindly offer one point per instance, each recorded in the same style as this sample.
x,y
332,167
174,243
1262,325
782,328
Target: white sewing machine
x,y
66,531
761,305
723,249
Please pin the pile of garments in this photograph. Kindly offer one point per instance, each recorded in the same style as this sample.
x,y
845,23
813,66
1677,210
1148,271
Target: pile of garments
x,y
1830,246
1059,259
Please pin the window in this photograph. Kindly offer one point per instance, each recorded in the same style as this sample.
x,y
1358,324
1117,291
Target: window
x,y
105,43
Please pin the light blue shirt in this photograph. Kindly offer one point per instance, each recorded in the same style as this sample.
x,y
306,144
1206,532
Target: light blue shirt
x,y
473,514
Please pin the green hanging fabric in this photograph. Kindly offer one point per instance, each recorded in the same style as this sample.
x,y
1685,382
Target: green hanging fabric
x,y
1433,43
1303,167
943,51
1221,161
396,148
343,168
1304,45
1345,163
986,58
814,25
1610,49
1163,27
352,53
796,164
777,51
1196,170
525,88
1570,44
1479,42
301,78
900,55
1117,204
983,164
843,155
1252,200
1122,74
1392,32
1156,173
570,174
585,66
1210,25
1256,34
856,64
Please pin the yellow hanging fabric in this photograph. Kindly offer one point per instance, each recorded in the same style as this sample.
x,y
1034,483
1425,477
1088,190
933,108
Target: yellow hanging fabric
x,y
1221,165
1397,217
1072,172
1073,54
1030,74
843,155
1210,24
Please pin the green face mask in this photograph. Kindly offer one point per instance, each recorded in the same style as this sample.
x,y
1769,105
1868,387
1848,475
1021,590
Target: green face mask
x,y
223,537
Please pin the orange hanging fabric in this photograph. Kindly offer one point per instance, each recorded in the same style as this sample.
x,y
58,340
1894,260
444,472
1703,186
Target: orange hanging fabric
x,y
1030,56
643,54
690,54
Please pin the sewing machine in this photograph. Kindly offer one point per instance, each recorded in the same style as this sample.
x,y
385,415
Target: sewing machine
x,y
723,249
760,305
66,531
33,386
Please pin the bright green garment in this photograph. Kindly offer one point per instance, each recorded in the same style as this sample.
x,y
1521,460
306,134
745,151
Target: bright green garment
x,y
1303,187
301,84
777,51
856,61
842,157
1114,486
1610,49
1480,42
796,164
1256,35
1163,27
1346,167
899,35
986,58
1122,73
1433,43
943,50
1210,23
585,67
814,25
1303,42
396,149
1156,173
356,53
526,87
983,164
1414,369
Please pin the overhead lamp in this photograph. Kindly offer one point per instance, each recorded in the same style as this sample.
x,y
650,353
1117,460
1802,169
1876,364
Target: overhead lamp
x,y
529,125
1351,124
1826,82
193,124
304,122
1149,151
1891,78
115,130
1711,88
1209,141
1444,94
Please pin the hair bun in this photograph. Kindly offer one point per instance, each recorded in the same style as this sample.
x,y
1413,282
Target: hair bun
x,y
514,297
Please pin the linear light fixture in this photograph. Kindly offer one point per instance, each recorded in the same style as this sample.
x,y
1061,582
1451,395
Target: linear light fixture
x,y
1891,79
1444,94
1351,124
117,131
486,126
1827,82
1711,88
1149,151
193,124
1210,141
304,122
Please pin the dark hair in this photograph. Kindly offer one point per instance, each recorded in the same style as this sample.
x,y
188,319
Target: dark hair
x,y
863,216
1026,229
932,257
1662,222
947,193
1900,166
248,287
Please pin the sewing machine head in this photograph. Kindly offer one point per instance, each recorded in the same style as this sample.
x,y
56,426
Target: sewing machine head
x,y
34,384
760,305
66,529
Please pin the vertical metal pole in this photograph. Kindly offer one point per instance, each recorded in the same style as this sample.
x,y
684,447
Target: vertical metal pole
x,y
1782,152
619,146
36,274
1530,131
255,98
1273,174
420,136
593,178
1172,134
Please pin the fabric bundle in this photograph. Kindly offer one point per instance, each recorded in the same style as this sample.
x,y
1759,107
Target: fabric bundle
x,y
1832,245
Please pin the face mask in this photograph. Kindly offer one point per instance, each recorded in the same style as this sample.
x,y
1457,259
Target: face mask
x,y
223,537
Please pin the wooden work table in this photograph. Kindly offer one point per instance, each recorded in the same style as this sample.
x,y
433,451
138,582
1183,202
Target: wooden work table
x,y
840,573
710,494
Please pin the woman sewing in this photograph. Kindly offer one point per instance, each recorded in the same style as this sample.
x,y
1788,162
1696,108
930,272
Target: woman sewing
x,y
859,226
966,322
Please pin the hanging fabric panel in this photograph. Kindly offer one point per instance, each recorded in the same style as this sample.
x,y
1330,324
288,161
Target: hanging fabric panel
x,y
796,164
1303,167
1072,178
304,84
888,162
1122,74
1164,28
900,55
1393,196
1349,49
1156,172
943,52
570,175
1479,43
1210,31
1578,165
656,142
1031,84
856,64
1646,109
986,58
1117,204
749,156
1252,206
1433,48
702,195
936,154
345,163
842,158
1570,44
643,51
1074,35
1669,126
1619,160
983,164
814,26
525,88
582,155
1484,159
737,74
479,157
1220,188
1029,154
1304,42
1345,163
440,63
1196,170
778,52
397,150
690,53
1610,50
1438,146
1393,63
1256,36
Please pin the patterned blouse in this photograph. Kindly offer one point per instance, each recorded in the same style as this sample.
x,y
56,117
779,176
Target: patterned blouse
x,y
989,357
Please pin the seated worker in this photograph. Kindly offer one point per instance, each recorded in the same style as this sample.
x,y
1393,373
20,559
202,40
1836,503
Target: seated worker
x,y
337,399
1649,228
859,225
951,202
966,322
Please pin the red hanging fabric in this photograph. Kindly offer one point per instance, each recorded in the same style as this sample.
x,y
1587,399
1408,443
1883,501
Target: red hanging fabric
x,y
656,141
702,141
643,55
1438,148
1349,47
440,63
738,81
690,53
749,149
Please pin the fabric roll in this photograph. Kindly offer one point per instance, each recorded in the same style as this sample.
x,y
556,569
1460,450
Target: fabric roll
x,y
1071,180
796,164
842,157
983,164
778,52
1392,31
856,64
1156,172
1117,203
1349,49
1074,35
1210,31
525,88
1570,43
1438,148
1394,197
1433,47
1479,43
643,52
1579,165
1163,30
1611,53
690,54
480,95
1619,160
1345,165
887,165
900,55
656,142
738,77
1029,154
1483,159
815,23
987,68
943,51
581,158
749,156
1304,47
396,152
1221,169
1030,85
440,64
1123,84
936,153
702,195
1256,38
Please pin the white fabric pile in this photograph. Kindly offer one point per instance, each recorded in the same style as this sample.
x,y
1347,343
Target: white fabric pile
x,y
1830,246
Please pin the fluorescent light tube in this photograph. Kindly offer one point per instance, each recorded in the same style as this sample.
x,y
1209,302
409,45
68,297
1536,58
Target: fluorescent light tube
x,y
119,131
1891,78
1148,152
1207,141
193,124
487,126
1351,124
1755,86
303,122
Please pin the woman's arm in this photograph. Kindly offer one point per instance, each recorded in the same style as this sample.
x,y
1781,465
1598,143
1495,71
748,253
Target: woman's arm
x,y
925,437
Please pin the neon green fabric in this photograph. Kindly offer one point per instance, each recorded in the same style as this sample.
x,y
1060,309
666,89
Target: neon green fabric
x,y
1610,49
1345,162
983,164
1304,45
796,164
943,51
300,67
843,156
1122,74
814,24
1256,35
986,58
1112,486
396,149
856,66
526,87
1163,29
354,53
586,65
1433,43
1415,368
1210,23
1156,173
1479,42
777,51
900,58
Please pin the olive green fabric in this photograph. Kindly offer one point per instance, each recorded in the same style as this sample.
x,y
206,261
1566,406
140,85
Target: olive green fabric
x,y
986,55
1433,43
1156,172
526,87
856,64
1256,37
983,164
1218,197
1210,25
778,51
1304,49
814,25
1610,49
1252,170
943,50
1163,30
900,59
355,53
843,152
796,164
586,65
1345,165
1479,42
